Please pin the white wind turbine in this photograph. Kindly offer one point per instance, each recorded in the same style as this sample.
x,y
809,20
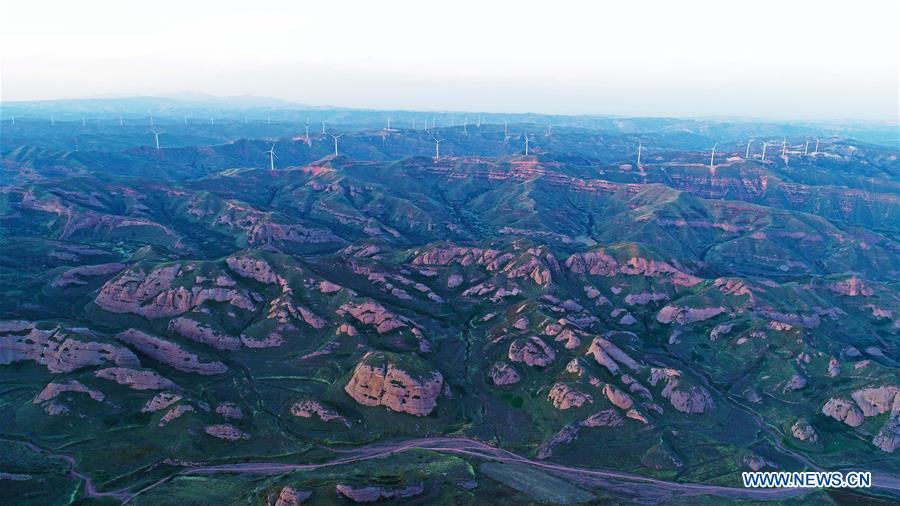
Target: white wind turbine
x,y
272,157
151,120
765,144
52,121
83,124
323,127
465,125
712,156
526,144
184,119
747,153
784,148
156,136
816,152
437,148
307,131
640,147
336,137
121,123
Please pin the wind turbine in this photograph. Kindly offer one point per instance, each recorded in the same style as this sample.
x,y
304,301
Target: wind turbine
x,y
437,148
156,135
526,144
121,123
414,124
272,157
712,157
82,122
747,154
506,128
151,120
784,147
816,152
336,137
212,120
323,127
184,119
388,123
765,143
640,146
307,131
52,121
14,119
549,129
465,125
806,147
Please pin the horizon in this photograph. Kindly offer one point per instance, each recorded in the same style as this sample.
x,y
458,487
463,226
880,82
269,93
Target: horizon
x,y
630,61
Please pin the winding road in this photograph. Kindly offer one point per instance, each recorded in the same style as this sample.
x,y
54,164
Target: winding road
x,y
627,485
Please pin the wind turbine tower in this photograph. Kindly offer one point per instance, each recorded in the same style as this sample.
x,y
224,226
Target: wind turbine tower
x,y
156,136
816,152
747,153
765,143
437,148
52,121
272,157
336,137
784,147
640,147
806,147
712,157
526,144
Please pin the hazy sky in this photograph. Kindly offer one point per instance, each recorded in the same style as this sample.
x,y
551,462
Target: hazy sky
x,y
760,58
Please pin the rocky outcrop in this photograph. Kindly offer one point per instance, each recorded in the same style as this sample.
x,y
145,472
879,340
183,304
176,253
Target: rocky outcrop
x,y
877,400
160,401
687,315
226,432
694,399
138,380
532,351
605,418
58,352
374,314
566,435
599,263
851,287
803,431
503,374
617,397
230,410
308,408
253,268
834,368
290,496
169,353
565,397
54,389
843,411
610,356
373,493
199,333
174,413
379,381
796,382
152,295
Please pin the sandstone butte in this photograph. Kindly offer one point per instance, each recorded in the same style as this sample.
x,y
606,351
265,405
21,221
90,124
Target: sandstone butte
x,y
378,381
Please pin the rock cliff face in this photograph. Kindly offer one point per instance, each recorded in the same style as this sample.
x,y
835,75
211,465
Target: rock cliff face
x,y
372,493
138,380
378,381
503,374
308,408
693,399
226,432
58,352
290,496
600,263
532,351
565,397
152,295
197,332
374,314
169,353
54,389
803,431
686,315
73,277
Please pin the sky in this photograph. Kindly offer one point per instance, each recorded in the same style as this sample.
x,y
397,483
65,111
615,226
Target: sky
x,y
795,59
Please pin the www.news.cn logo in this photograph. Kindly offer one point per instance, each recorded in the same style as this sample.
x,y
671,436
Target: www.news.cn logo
x,y
782,479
